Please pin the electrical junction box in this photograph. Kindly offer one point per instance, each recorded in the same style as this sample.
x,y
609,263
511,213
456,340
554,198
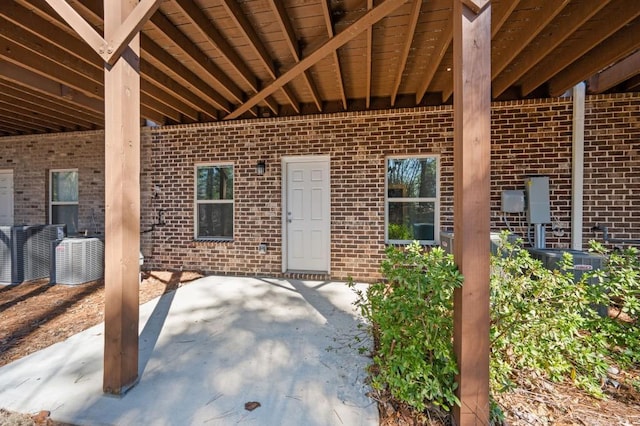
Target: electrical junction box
x,y
538,204
513,201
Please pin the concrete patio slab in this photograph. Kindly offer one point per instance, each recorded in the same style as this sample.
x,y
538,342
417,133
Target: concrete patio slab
x,y
205,351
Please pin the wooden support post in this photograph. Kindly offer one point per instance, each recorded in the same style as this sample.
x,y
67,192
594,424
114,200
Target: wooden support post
x,y
472,161
122,202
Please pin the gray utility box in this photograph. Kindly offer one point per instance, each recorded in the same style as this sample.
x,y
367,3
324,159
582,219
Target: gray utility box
x,y
538,204
12,240
446,241
25,253
77,260
583,262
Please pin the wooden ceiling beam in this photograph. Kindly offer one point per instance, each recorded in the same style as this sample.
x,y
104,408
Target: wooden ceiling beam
x,y
55,43
442,46
88,67
47,107
326,13
615,74
580,14
18,106
39,115
165,103
206,28
183,74
355,29
286,28
255,43
613,18
160,79
369,60
408,41
548,10
618,46
200,59
28,120
48,86
633,84
13,127
499,15
47,67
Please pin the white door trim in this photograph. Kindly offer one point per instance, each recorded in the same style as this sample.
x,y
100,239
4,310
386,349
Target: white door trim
x,y
302,159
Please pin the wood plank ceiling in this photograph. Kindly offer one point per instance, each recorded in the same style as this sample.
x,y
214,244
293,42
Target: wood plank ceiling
x,y
208,60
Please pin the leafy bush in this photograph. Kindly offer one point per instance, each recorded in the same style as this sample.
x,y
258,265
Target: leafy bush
x,y
543,323
618,288
538,323
412,316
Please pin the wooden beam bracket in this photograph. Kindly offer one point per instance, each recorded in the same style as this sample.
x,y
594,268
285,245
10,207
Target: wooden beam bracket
x,y
112,50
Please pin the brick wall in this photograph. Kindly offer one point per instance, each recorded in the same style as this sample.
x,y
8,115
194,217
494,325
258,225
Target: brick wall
x,y
32,157
528,138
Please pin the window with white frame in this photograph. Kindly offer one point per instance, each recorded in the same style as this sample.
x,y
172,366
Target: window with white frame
x,y
214,202
63,198
412,199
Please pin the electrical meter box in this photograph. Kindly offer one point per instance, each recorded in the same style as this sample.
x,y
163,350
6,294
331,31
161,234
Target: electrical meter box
x,y
513,201
537,199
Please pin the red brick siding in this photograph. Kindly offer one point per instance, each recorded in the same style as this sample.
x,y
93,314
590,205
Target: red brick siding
x,y
528,138
32,157
357,145
612,166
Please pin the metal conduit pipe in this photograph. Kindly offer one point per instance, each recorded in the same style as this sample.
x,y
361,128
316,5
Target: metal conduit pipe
x,y
577,167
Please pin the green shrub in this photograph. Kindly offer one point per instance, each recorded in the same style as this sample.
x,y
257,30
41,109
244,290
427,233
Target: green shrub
x,y
544,324
619,288
412,316
538,323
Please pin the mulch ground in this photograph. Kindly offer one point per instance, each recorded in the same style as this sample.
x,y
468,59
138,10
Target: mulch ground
x,y
36,315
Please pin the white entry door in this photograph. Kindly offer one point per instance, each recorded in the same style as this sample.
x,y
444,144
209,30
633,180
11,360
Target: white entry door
x,y
307,214
6,197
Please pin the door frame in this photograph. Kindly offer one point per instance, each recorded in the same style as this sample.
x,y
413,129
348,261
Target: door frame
x,y
285,237
13,192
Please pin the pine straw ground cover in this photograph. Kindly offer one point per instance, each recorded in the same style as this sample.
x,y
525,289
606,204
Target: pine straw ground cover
x,y
35,315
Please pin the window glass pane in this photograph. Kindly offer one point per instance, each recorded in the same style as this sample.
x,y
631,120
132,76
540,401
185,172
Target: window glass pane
x,y
411,177
64,186
215,183
215,220
411,221
67,214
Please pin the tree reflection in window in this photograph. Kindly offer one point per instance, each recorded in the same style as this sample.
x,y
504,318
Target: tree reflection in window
x,y
412,191
214,199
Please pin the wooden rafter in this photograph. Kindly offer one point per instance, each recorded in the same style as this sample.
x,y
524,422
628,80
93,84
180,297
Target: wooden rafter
x,y
200,59
615,17
207,29
79,116
183,74
408,41
29,103
633,84
80,58
441,47
323,50
369,60
290,38
581,13
326,13
619,46
47,86
616,74
255,43
111,49
548,11
28,120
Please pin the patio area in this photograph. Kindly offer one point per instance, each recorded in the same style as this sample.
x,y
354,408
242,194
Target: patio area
x,y
208,349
